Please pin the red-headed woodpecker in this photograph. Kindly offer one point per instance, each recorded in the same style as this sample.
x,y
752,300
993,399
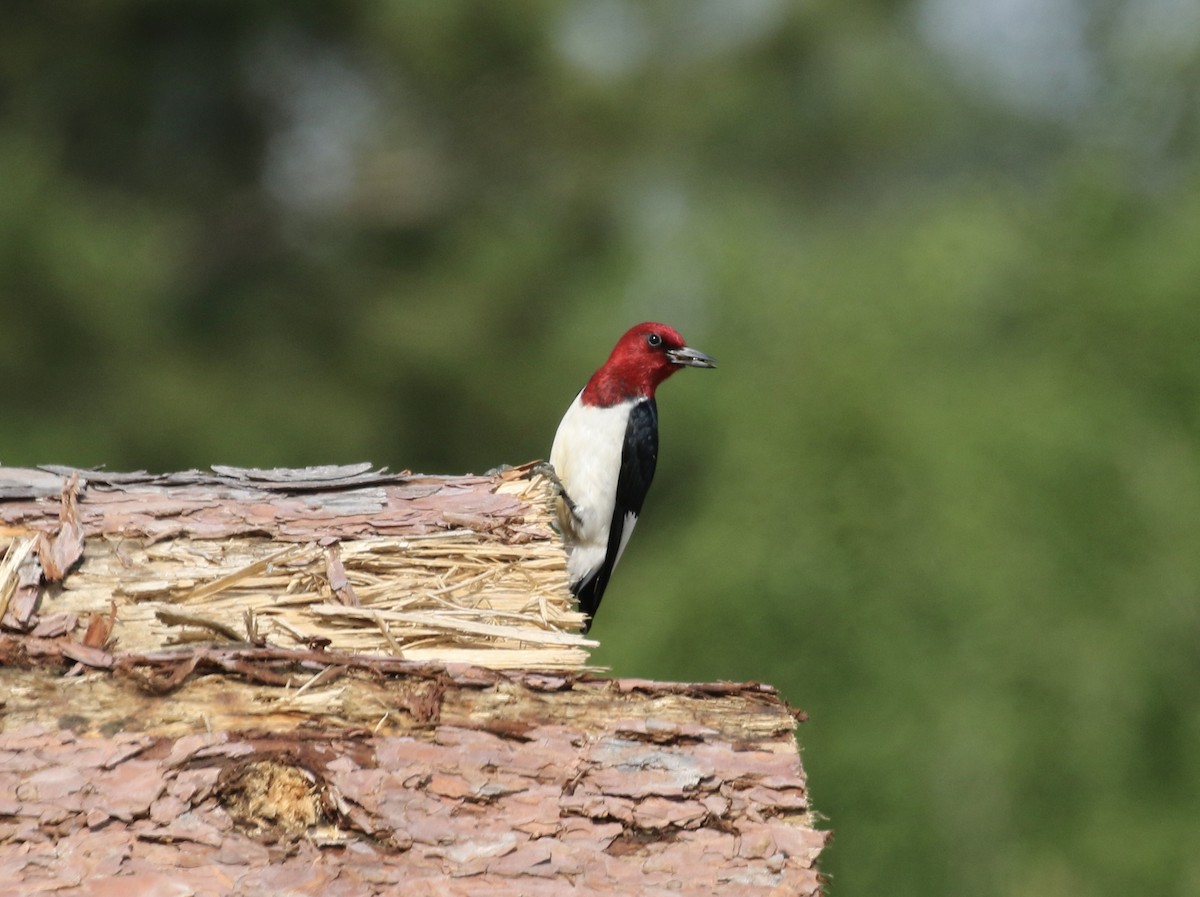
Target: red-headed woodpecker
x,y
605,451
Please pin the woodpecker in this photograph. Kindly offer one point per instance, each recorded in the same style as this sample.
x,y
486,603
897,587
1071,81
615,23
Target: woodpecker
x,y
605,451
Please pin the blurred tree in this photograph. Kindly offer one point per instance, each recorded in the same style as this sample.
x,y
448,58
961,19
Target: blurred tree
x,y
943,489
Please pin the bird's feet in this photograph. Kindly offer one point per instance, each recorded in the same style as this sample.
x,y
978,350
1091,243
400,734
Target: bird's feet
x,y
546,469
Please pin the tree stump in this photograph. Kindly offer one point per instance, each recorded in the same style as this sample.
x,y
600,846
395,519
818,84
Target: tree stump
x,y
344,681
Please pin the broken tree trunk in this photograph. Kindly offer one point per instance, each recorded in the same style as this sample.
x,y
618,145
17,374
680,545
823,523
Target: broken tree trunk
x,y
344,681
456,569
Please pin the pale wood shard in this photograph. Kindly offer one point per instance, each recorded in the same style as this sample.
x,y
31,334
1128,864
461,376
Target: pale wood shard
x,y
467,568
340,681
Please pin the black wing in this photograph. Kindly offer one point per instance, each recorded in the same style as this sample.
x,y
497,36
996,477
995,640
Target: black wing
x,y
639,455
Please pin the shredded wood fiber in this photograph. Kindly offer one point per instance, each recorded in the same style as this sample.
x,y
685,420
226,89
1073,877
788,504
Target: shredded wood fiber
x,y
247,681
453,569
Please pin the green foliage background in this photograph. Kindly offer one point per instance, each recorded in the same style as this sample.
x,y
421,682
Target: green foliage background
x,y
943,490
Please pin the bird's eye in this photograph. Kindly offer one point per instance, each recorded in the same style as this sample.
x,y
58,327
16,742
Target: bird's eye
x,y
654,340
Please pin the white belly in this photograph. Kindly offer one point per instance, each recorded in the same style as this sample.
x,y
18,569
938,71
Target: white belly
x,y
587,458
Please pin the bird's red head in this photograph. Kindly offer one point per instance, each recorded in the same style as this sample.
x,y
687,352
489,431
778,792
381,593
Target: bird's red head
x,y
644,357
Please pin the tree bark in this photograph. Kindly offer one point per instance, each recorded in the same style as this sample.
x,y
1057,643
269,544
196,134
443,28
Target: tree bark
x,y
231,763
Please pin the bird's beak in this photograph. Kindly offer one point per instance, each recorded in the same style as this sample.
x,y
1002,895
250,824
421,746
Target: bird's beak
x,y
691,358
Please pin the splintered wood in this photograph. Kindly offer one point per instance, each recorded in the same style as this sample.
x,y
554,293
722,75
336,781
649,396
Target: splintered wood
x,y
345,682
457,569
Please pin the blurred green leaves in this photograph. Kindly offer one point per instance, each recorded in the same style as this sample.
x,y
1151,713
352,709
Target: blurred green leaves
x,y
943,489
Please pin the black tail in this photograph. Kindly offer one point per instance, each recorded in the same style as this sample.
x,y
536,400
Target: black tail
x,y
590,591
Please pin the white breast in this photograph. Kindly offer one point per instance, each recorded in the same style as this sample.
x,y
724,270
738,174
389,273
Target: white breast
x,y
587,458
